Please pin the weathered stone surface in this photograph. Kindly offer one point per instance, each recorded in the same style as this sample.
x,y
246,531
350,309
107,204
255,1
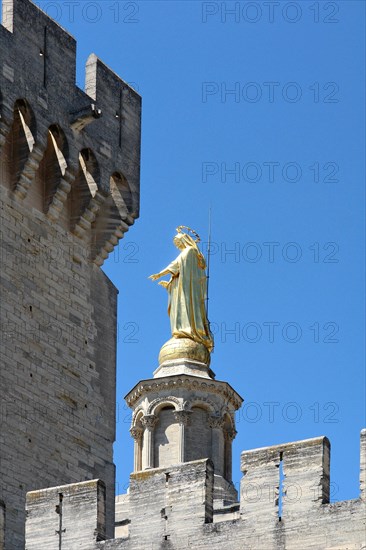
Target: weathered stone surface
x,y
58,322
363,465
122,515
194,418
2,525
69,190
70,516
40,56
173,507
182,498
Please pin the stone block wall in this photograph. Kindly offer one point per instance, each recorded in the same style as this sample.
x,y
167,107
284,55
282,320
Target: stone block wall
x,y
363,465
2,525
166,506
166,439
172,508
71,516
284,505
69,190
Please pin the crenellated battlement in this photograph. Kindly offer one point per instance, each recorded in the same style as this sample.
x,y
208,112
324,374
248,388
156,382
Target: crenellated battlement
x,y
83,145
173,507
285,480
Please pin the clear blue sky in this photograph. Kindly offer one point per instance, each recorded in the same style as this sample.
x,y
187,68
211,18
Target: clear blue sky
x,y
291,210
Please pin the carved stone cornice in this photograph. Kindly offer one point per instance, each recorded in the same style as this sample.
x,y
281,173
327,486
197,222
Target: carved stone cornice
x,y
136,433
183,417
149,421
186,382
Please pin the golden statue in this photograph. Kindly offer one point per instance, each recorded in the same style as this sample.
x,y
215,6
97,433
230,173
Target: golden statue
x,y
187,290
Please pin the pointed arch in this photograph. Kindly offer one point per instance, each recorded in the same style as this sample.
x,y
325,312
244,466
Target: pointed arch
x,y
121,194
54,163
85,186
19,142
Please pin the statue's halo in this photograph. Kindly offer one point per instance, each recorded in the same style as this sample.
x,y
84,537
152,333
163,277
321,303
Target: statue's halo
x,y
190,232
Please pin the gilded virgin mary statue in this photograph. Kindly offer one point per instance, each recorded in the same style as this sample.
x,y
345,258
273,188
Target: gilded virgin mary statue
x,y
187,290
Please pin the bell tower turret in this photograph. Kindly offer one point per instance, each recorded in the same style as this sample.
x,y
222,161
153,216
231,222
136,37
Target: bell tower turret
x,y
184,414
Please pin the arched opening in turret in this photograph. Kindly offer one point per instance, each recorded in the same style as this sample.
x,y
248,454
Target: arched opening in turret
x,y
85,185
121,194
54,162
50,171
166,437
198,435
19,143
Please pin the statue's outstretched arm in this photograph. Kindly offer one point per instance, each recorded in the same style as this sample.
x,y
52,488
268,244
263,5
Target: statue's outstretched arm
x,y
158,275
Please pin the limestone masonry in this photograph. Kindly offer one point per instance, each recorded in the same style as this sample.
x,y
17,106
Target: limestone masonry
x,y
69,190
69,173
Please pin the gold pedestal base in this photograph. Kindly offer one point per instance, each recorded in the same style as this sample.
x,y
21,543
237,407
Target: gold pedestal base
x,y
184,348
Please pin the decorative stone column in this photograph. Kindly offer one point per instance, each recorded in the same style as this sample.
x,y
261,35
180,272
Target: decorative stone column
x,y
149,422
182,417
229,436
137,434
216,424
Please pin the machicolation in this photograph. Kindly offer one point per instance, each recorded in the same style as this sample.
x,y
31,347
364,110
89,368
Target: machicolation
x,y
69,174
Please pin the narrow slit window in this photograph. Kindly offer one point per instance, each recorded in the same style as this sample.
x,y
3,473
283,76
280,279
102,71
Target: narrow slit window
x,y
280,487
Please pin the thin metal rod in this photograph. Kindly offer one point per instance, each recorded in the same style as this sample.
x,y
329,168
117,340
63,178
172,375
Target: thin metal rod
x,y
208,257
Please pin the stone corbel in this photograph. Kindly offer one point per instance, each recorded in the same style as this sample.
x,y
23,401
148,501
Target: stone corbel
x,y
84,116
83,226
59,198
29,171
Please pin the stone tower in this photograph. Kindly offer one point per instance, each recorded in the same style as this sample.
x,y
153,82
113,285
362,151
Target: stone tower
x,y
183,414
69,186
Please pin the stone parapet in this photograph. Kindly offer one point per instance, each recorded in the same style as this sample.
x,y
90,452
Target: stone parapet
x,y
69,516
363,465
172,508
87,141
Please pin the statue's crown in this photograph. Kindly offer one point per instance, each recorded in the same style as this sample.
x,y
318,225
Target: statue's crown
x,y
188,231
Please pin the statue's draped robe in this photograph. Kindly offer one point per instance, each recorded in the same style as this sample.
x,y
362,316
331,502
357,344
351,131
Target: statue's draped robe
x,y
187,294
